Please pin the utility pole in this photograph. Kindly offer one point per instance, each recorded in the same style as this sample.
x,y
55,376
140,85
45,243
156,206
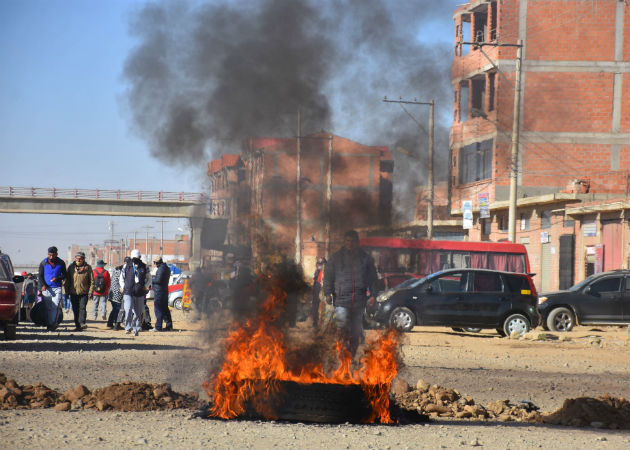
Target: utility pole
x,y
298,196
515,126
430,181
329,197
146,242
515,142
162,237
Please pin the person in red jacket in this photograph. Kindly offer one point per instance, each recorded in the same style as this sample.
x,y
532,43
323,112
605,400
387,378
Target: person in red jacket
x,y
102,282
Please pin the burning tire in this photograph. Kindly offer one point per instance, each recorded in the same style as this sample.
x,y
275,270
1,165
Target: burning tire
x,y
319,402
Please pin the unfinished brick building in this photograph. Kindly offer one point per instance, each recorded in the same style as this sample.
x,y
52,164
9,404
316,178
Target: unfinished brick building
x,y
574,126
258,191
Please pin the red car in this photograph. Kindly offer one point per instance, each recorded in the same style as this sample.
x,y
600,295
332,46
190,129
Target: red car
x,y
10,297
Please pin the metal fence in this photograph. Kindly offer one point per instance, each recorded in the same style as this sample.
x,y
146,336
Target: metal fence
x,y
102,194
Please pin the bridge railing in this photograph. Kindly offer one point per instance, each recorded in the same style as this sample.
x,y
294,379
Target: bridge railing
x,y
104,194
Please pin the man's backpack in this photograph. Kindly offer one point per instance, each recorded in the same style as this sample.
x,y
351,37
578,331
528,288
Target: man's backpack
x,y
99,282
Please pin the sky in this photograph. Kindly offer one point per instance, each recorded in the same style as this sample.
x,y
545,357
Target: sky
x,y
66,119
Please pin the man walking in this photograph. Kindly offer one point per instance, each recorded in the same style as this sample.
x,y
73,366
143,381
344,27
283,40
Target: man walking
x,y
160,300
349,276
52,272
133,279
102,283
79,285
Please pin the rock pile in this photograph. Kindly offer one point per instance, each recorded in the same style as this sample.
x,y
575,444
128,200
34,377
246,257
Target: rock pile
x,y
126,396
14,396
437,401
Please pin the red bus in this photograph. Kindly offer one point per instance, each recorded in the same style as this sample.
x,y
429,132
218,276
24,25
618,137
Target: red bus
x,y
423,257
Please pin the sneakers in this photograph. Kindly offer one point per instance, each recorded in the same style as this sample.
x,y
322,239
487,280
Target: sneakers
x,y
117,327
128,332
104,317
168,329
83,327
135,333
155,330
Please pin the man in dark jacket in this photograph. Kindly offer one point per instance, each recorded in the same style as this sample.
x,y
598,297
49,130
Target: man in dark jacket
x,y
79,285
348,277
160,300
52,272
133,278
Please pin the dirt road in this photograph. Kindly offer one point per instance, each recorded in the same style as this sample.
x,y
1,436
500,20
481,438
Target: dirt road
x,y
544,369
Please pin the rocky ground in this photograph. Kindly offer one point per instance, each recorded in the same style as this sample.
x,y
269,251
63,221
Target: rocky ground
x,y
485,371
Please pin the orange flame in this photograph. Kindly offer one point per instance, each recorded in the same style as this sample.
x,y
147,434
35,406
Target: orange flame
x,y
255,359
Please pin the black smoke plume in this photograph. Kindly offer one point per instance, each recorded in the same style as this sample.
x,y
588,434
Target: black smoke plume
x,y
206,76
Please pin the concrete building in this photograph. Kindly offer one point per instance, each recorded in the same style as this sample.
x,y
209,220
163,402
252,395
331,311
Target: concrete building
x,y
574,128
176,251
260,191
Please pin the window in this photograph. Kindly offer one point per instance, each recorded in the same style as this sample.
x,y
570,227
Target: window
x,y
486,226
481,25
545,219
465,33
463,101
461,260
487,282
493,21
517,284
453,282
475,162
502,222
525,221
478,95
606,285
491,81
568,223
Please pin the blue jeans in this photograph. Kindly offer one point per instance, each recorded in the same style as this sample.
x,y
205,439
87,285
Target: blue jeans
x,y
102,299
52,298
134,307
350,326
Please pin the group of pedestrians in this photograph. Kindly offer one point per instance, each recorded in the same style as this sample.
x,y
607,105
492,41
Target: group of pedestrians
x,y
126,289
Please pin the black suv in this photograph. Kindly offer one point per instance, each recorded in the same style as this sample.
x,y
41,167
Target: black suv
x,y
601,299
462,298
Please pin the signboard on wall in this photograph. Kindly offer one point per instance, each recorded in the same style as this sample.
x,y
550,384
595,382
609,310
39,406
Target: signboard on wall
x,y
589,228
467,214
599,258
544,237
484,205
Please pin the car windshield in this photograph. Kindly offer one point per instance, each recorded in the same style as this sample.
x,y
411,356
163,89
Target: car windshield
x,y
582,283
410,283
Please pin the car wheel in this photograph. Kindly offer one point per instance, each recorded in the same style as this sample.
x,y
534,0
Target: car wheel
x,y
459,330
516,322
402,319
501,332
177,303
472,330
561,319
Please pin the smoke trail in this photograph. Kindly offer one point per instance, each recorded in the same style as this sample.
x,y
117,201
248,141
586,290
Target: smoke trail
x,y
206,76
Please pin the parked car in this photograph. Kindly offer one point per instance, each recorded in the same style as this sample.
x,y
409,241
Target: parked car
x,y
393,279
10,297
461,298
601,299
